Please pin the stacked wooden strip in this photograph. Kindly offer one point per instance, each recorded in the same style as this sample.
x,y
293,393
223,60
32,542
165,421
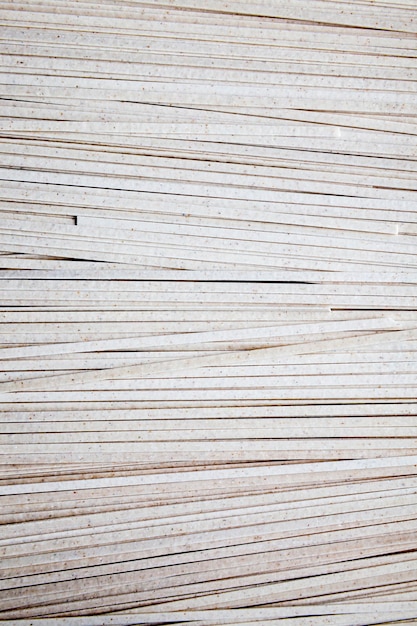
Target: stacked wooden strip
x,y
208,314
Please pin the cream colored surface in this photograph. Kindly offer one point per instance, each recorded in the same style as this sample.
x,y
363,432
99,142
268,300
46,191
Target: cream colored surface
x,y
208,312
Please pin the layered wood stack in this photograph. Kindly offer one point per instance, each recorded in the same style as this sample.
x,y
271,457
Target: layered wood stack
x,y
208,312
